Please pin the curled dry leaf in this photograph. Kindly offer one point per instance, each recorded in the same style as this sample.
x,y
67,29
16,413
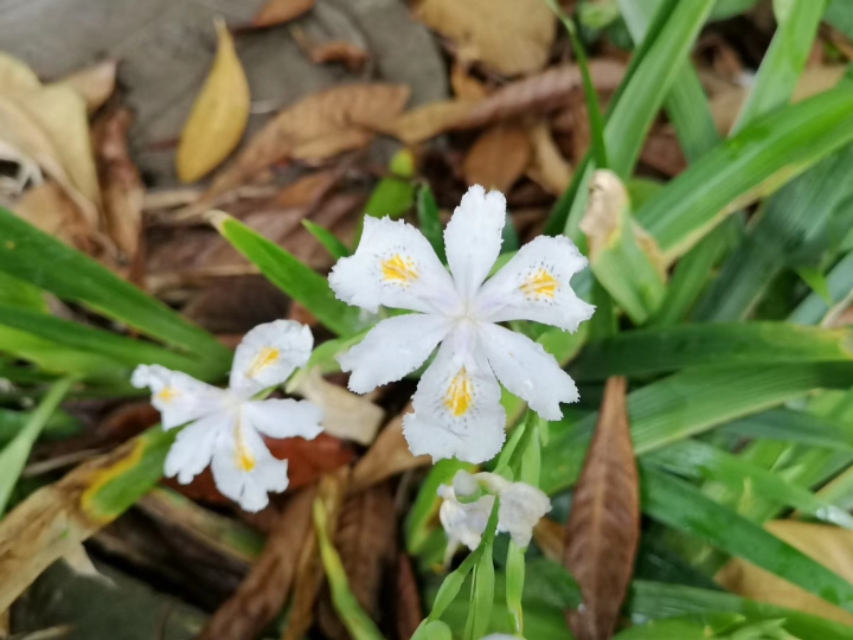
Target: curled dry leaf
x,y
466,87
95,84
498,158
830,546
261,596
281,11
48,207
345,414
547,167
604,525
510,36
366,541
121,186
219,115
318,126
541,93
389,456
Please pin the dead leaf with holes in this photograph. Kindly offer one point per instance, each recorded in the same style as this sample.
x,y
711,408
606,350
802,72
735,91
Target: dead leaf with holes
x,y
281,11
219,116
498,158
319,126
510,36
603,529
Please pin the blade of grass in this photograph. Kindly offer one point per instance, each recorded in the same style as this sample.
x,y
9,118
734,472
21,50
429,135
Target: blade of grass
x,y
329,240
788,425
42,260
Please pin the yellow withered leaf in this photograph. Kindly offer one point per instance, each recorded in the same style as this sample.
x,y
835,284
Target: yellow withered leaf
x,y
219,115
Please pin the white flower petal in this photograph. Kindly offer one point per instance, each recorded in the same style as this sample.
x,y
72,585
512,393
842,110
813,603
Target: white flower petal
x,y
521,507
285,418
534,285
268,354
393,349
528,371
457,404
464,523
473,238
193,448
394,266
245,471
178,397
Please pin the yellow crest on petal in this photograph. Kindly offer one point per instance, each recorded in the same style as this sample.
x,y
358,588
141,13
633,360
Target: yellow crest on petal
x,y
399,269
460,394
540,284
167,394
266,357
243,456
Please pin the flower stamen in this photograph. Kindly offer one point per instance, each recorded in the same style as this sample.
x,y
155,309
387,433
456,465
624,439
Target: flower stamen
x,y
399,270
540,284
460,394
266,357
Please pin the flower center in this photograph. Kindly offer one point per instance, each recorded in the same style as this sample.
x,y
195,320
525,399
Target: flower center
x,y
266,357
540,284
167,394
400,270
460,394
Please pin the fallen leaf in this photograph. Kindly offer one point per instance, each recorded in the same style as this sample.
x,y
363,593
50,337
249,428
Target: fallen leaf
x,y
219,115
464,86
538,94
510,36
498,158
28,173
408,612
662,152
49,208
830,546
121,186
366,540
350,55
281,11
547,167
345,414
261,596
318,126
310,574
95,84
604,524
307,190
388,457
550,537
16,76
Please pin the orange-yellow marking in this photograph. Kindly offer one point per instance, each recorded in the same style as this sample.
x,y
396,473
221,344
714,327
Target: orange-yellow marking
x,y
243,457
540,285
399,269
266,357
167,394
460,394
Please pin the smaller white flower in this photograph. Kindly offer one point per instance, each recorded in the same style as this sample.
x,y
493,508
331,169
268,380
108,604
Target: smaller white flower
x,y
226,425
521,507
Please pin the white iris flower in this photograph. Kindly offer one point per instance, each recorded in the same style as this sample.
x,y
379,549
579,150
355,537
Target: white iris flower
x,y
457,410
520,509
226,424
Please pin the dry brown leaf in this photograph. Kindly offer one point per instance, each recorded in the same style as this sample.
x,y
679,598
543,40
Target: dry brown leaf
x,y
549,536
307,190
351,56
538,94
464,86
310,574
510,36
219,116
498,158
604,525
366,541
408,612
263,593
662,152
281,11
320,125
121,186
95,84
345,414
389,456
49,208
547,167
830,546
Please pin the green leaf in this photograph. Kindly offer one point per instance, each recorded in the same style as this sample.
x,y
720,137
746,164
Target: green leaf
x,y
433,630
329,240
120,350
18,293
52,357
767,153
430,221
14,455
482,592
59,425
686,509
296,279
817,282
814,309
656,350
701,461
787,425
357,622
425,508
42,260
689,403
